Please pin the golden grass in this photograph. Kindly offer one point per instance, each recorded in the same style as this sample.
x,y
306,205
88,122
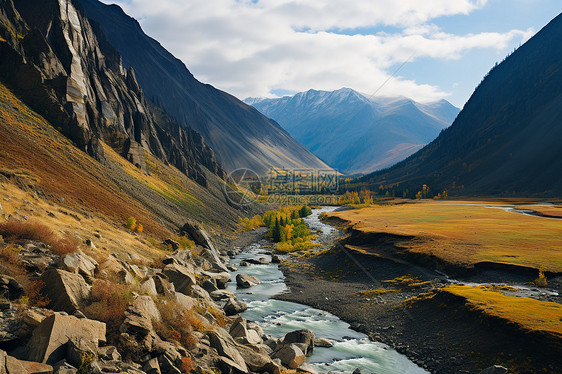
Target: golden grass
x,y
528,313
466,234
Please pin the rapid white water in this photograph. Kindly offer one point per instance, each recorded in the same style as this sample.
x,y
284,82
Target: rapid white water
x,y
351,350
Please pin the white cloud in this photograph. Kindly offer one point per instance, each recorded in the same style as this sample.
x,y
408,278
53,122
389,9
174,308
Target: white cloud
x,y
250,48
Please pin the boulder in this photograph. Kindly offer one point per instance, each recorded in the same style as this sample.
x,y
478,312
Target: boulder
x,y
222,295
78,348
186,302
11,365
10,289
199,293
242,334
37,257
152,367
63,367
172,244
139,316
79,263
275,259
227,348
209,285
109,353
166,366
290,355
257,328
163,286
234,307
258,361
324,343
201,237
221,279
113,269
48,342
67,291
246,281
496,369
305,339
148,287
181,277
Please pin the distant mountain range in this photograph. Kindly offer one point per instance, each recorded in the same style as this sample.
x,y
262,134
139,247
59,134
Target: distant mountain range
x,y
508,138
354,133
240,136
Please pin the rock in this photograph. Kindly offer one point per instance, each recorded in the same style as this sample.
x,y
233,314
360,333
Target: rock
x,y
209,286
356,371
67,291
31,318
166,366
304,337
232,268
11,365
307,369
246,281
258,361
181,277
148,287
257,328
185,301
10,289
290,355
49,338
112,268
324,343
163,286
152,367
137,272
79,348
221,279
172,243
244,263
171,351
109,353
80,263
227,348
200,236
496,369
36,257
222,295
275,259
240,332
234,307
63,367
201,294
139,316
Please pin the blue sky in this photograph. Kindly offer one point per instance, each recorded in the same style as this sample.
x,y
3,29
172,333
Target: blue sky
x,y
275,47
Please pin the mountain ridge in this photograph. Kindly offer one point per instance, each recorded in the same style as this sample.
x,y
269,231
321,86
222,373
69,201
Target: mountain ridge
x,y
356,133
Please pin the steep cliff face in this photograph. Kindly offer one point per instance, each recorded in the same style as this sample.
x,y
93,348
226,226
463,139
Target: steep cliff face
x,y
61,65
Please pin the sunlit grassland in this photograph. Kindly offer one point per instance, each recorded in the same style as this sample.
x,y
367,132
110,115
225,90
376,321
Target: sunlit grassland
x,y
466,232
529,314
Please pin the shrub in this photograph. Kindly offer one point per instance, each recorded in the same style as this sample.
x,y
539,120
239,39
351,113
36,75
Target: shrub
x,y
186,243
541,280
108,302
248,224
139,228
178,323
33,290
131,223
187,365
32,230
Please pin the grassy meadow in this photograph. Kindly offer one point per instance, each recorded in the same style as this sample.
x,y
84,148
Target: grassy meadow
x,y
466,233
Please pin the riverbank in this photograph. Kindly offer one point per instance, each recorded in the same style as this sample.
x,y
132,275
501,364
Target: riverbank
x,y
441,334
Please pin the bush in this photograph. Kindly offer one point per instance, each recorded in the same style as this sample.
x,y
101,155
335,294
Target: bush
x,y
541,280
33,290
32,230
108,302
187,365
139,228
178,323
131,223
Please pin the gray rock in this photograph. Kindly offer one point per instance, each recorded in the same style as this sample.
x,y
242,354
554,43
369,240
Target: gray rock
x,y
77,348
109,353
234,307
63,367
202,238
80,263
11,365
357,371
303,337
246,281
220,279
10,289
275,259
242,334
139,316
182,277
148,287
290,355
324,343
209,286
51,336
163,285
222,295
496,369
227,349
112,268
152,367
67,291
258,361
185,301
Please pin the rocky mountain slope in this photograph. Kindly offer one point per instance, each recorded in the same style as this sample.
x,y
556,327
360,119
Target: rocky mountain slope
x,y
240,135
354,133
64,68
506,140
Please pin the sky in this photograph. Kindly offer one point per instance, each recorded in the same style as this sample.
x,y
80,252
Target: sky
x,y
426,50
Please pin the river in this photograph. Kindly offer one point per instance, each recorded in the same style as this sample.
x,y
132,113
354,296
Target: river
x,y
351,349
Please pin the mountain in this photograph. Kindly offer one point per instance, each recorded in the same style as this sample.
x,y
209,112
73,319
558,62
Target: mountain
x,y
356,134
240,135
65,96
507,139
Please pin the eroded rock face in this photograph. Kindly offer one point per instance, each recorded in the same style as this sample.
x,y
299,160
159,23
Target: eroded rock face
x,y
66,70
68,292
49,339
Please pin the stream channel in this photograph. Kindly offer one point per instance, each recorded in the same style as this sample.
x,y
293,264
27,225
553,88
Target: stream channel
x,y
352,350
